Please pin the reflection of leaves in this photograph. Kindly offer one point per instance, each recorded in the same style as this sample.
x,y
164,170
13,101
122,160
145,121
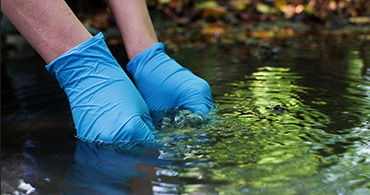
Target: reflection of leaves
x,y
261,149
282,147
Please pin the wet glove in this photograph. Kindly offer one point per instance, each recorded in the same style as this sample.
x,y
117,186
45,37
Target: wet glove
x,y
105,104
165,84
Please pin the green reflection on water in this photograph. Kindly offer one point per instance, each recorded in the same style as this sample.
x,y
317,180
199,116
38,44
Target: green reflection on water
x,y
279,139
275,133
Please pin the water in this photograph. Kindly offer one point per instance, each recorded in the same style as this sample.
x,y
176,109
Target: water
x,y
295,122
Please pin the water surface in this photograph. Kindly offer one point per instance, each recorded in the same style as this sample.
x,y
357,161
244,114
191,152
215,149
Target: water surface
x,y
295,122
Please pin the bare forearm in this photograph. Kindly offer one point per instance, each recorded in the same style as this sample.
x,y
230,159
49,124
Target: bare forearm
x,y
48,25
134,22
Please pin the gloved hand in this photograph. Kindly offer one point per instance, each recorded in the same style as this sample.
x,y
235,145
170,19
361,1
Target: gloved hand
x,y
165,84
105,104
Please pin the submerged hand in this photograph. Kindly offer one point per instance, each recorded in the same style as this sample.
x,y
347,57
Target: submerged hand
x,y
165,84
108,169
105,104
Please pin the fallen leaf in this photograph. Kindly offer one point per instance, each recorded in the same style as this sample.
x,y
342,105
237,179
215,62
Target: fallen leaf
x,y
216,12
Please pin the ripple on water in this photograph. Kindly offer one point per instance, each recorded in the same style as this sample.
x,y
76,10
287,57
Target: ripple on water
x,y
280,130
295,124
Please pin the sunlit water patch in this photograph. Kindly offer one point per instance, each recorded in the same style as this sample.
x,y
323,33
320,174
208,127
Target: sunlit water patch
x,y
280,129
293,123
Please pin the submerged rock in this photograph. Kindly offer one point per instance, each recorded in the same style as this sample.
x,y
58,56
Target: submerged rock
x,y
179,119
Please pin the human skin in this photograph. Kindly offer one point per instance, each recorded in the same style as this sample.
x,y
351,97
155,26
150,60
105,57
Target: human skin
x,y
135,25
52,28
49,26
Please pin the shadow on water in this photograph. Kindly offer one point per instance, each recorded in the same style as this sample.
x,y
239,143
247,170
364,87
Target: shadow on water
x,y
294,123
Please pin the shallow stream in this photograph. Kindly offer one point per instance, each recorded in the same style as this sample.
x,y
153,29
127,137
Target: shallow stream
x,y
288,120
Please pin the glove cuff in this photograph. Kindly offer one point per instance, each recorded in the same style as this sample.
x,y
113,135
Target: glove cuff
x,y
144,57
69,60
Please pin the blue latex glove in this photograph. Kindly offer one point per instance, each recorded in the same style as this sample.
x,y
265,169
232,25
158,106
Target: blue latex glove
x,y
105,104
165,84
104,169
